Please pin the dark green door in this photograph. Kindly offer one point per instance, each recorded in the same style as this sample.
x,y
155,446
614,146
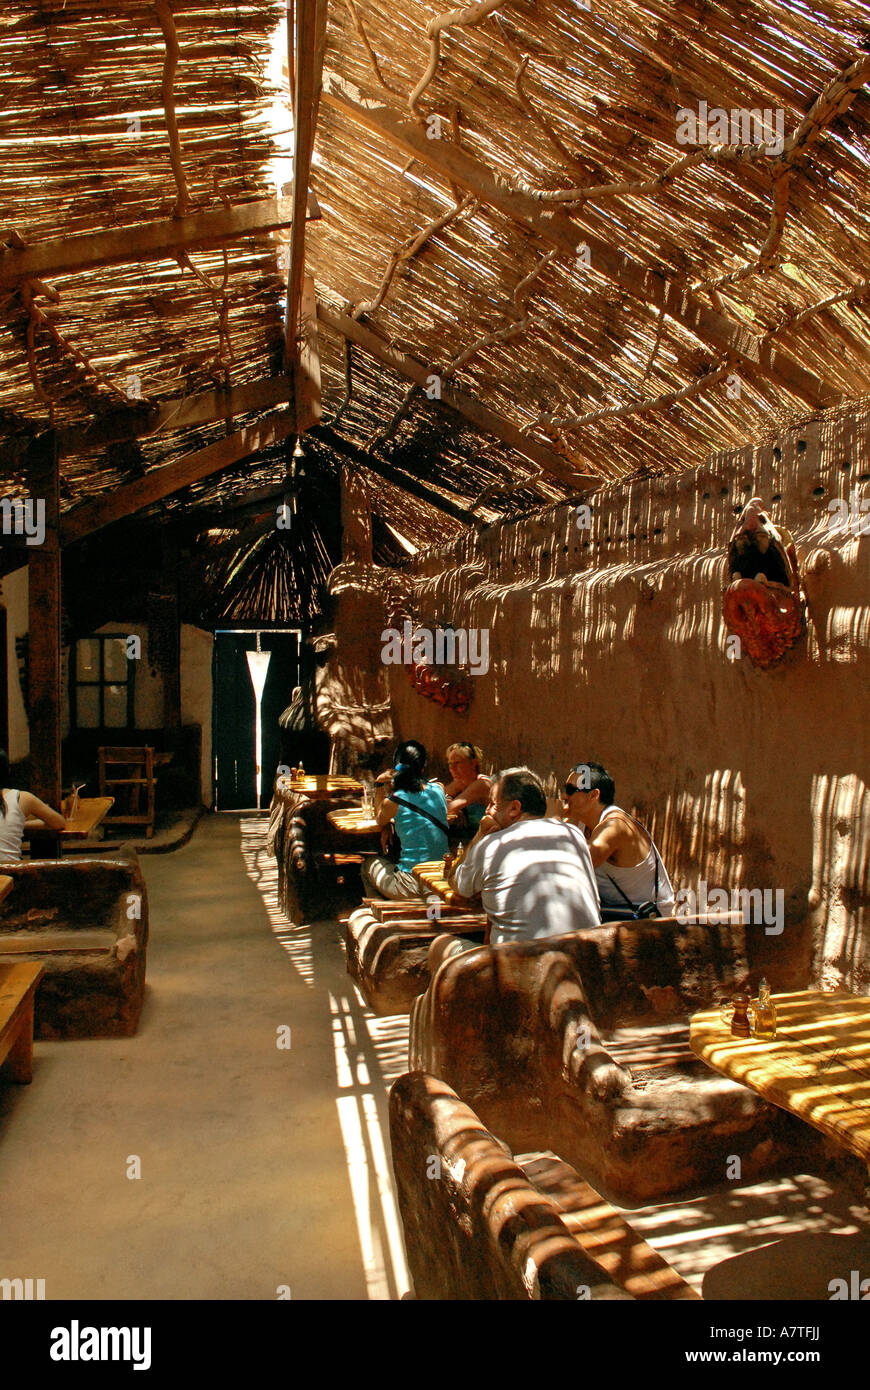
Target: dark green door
x,y
234,714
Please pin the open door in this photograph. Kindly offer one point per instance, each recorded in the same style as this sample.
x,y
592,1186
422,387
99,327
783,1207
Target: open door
x,y
242,742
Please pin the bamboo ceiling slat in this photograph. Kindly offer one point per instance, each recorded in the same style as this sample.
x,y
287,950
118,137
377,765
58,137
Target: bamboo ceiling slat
x,y
551,98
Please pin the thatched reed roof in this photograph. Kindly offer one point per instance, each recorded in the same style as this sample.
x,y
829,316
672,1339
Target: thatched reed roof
x,y
554,99
617,301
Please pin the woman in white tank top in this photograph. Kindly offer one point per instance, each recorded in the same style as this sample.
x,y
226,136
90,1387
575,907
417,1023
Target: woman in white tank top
x,y
16,809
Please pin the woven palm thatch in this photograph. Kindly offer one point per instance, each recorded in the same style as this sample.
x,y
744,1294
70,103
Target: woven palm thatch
x,y
577,108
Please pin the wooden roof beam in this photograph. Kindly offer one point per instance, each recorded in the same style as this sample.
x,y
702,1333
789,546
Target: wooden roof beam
x,y
399,479
172,477
464,404
142,420
459,167
306,40
146,241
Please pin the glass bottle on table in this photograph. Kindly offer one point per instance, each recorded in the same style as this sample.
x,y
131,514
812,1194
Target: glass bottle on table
x,y
764,1022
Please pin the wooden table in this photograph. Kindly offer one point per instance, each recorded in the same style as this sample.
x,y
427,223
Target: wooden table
x,y
17,987
818,1067
91,810
320,788
431,880
353,821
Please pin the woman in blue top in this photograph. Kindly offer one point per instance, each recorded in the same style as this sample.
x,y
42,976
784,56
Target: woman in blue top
x,y
419,810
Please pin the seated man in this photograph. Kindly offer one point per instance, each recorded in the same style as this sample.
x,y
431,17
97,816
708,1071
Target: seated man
x,y
535,876
628,867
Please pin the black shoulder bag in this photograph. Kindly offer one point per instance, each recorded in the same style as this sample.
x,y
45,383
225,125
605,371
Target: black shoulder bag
x,y
643,910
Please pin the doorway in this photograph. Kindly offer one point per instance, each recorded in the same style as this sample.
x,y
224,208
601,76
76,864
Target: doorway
x,y
234,711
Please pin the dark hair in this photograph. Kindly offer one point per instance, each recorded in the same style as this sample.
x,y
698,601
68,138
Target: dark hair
x,y
4,778
595,777
412,756
522,785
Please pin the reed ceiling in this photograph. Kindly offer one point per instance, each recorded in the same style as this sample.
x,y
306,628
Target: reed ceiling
x,y
721,295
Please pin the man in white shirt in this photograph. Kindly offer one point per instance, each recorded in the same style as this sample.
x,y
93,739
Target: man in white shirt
x,y
535,876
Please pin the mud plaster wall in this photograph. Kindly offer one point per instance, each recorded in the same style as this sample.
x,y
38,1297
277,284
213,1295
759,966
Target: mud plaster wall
x,y
608,644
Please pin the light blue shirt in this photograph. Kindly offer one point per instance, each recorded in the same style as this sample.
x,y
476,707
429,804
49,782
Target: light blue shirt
x,y
421,841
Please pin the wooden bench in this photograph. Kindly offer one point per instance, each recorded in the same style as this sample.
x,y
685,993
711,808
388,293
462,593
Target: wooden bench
x,y
86,922
387,946
579,1045
17,988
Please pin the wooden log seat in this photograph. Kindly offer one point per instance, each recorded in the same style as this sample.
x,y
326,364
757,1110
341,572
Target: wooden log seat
x,y
579,1044
78,918
388,950
480,1224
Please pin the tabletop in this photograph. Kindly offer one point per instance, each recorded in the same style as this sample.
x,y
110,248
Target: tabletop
x,y
353,821
318,787
91,810
818,1066
431,879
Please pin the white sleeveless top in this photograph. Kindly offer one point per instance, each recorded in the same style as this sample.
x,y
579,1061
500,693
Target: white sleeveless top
x,y
11,825
637,883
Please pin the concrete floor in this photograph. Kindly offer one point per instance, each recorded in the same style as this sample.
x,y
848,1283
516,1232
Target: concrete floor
x,y
244,1147
265,1170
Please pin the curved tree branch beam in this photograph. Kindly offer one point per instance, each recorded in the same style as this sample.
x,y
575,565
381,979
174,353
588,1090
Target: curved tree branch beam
x,y
465,18
407,253
372,56
170,64
695,388
503,335
522,60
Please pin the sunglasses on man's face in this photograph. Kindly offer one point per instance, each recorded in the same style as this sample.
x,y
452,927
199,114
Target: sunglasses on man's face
x,y
570,789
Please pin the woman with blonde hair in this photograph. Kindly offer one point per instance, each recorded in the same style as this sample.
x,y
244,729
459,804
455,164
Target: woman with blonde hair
x,y
468,790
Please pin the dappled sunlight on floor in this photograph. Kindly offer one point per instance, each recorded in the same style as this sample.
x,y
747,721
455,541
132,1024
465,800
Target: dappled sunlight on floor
x,y
369,1053
262,869
696,1235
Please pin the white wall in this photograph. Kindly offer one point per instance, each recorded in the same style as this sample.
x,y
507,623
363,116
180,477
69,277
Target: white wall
x,y
15,597
196,694
147,682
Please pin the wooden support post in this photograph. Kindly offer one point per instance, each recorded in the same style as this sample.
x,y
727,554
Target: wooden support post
x,y
307,368
356,518
44,626
306,38
170,635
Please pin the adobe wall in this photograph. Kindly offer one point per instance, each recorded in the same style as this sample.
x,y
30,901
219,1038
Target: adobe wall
x,y
609,644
